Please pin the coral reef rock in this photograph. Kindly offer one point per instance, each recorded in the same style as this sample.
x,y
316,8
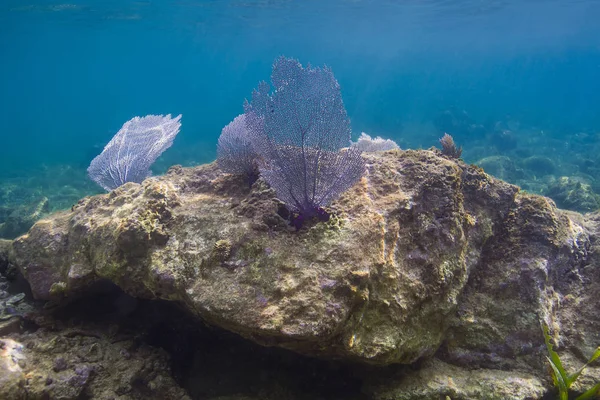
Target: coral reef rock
x,y
573,193
14,222
438,380
76,363
501,167
424,256
5,246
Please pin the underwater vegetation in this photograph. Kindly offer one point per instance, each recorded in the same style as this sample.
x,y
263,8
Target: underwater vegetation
x,y
297,137
368,144
132,151
449,148
235,153
562,380
299,131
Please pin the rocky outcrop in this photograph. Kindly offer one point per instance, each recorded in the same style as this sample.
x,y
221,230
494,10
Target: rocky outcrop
x,y
75,364
17,220
5,246
438,380
425,256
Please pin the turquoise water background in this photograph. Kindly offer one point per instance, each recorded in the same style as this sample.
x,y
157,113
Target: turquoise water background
x,y
72,73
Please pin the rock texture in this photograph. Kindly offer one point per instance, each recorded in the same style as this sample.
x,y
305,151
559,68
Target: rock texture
x,y
5,247
438,380
77,363
424,256
15,221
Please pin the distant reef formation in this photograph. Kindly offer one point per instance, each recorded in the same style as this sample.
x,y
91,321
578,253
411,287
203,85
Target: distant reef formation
x,y
430,276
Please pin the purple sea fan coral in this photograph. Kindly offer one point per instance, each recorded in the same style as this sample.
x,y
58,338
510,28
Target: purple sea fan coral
x,y
132,151
235,153
300,130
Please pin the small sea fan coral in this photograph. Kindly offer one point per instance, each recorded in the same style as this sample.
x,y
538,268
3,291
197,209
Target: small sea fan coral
x,y
235,153
299,130
368,144
132,151
449,148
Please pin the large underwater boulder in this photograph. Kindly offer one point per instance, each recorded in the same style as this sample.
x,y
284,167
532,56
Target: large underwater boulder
x,y
425,256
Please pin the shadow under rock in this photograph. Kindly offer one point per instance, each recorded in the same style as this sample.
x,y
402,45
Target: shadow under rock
x,y
210,363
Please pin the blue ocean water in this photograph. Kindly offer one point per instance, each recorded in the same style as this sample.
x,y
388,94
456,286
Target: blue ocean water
x,y
71,73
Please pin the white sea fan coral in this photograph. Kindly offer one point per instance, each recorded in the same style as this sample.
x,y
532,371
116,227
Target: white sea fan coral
x,y
368,144
131,152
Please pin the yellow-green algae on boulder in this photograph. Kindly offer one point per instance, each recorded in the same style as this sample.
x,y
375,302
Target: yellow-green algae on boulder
x,y
425,254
